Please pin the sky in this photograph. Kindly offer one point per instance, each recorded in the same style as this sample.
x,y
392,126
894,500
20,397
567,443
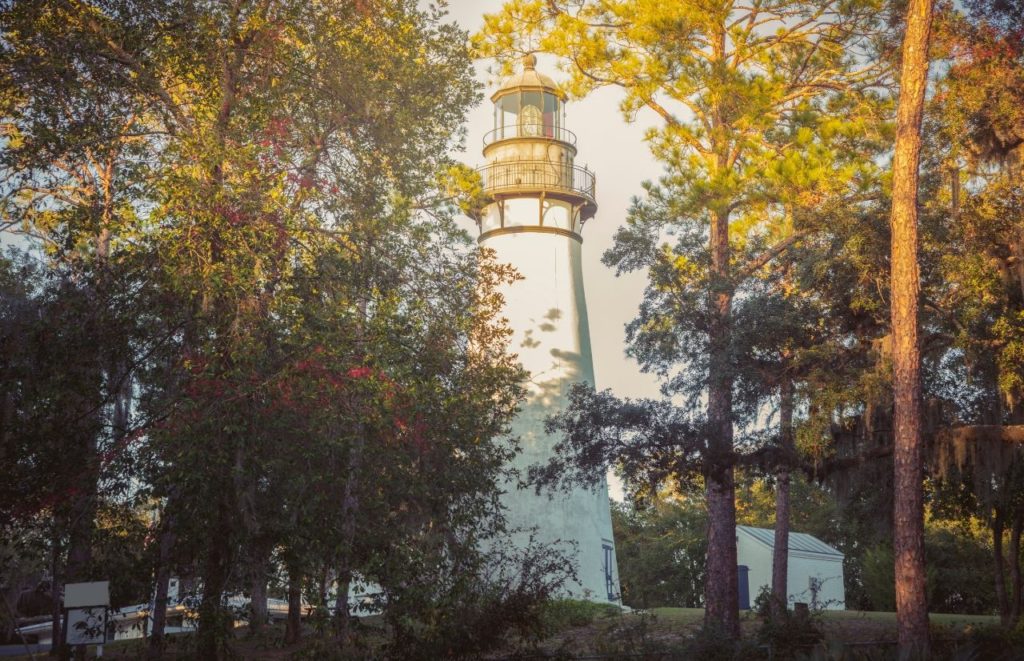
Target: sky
x,y
616,152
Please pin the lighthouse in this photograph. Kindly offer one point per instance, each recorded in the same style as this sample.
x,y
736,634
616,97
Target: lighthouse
x,y
538,202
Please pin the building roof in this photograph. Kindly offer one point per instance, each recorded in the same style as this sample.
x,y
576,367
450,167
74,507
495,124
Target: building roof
x,y
527,78
798,541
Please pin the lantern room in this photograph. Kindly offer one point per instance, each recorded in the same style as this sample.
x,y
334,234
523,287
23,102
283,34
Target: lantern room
x,y
529,105
530,175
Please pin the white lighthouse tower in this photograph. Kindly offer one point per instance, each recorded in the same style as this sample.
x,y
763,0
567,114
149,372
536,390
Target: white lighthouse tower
x,y
539,200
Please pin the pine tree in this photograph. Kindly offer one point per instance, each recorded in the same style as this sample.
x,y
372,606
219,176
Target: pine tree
x,y
721,77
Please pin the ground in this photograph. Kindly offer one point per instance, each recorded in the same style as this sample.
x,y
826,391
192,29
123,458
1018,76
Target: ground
x,y
668,627
659,629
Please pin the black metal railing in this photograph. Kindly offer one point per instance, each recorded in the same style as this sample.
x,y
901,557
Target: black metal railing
x,y
530,131
537,175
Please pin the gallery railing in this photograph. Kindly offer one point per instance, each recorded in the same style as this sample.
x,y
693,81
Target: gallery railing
x,y
537,175
530,131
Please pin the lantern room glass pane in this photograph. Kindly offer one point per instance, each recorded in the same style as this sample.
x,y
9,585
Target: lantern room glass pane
x,y
551,115
532,114
508,109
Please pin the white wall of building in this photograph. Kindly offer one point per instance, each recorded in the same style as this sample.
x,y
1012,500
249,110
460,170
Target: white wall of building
x,y
829,574
548,314
758,559
827,570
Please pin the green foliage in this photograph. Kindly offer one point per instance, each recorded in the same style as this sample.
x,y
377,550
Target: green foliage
x,y
561,614
636,636
996,643
249,207
476,607
716,645
660,550
877,575
760,159
786,632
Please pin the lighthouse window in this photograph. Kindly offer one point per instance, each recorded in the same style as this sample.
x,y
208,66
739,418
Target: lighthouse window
x,y
551,118
532,122
508,111
532,114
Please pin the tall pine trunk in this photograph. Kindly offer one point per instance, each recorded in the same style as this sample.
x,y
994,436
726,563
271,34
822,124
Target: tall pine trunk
x,y
908,511
721,592
780,553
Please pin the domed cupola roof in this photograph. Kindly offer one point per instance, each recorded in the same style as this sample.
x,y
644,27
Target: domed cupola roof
x,y
528,79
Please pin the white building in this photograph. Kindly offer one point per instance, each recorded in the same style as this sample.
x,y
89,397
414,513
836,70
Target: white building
x,y
815,568
539,200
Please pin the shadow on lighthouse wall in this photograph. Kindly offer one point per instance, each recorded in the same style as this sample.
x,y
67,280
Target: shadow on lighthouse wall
x,y
547,310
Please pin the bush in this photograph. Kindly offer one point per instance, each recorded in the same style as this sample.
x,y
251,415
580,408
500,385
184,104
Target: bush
x,y
485,603
786,632
710,644
993,643
562,614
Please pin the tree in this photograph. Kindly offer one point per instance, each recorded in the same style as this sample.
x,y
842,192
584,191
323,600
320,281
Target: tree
x,y
908,459
331,353
721,77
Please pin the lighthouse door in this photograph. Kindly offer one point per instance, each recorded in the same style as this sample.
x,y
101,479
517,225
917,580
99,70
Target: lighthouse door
x,y
609,577
743,576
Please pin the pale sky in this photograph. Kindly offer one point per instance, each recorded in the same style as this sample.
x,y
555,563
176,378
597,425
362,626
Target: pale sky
x,y
616,152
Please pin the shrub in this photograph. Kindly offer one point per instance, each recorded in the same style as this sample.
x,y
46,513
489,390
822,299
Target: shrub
x,y
786,632
561,614
993,643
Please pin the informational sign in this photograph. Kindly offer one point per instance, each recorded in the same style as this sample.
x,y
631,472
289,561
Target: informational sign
x,y
86,625
77,595
86,608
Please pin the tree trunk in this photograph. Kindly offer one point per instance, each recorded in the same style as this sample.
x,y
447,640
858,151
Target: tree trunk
x,y
343,619
908,515
155,648
721,591
56,584
82,519
163,579
999,562
1015,577
325,585
260,564
349,511
212,619
293,627
780,554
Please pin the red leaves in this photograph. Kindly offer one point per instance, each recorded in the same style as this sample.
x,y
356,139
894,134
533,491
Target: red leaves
x,y
360,372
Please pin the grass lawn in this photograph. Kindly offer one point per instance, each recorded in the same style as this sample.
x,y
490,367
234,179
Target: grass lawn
x,y
671,626
668,626
686,616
